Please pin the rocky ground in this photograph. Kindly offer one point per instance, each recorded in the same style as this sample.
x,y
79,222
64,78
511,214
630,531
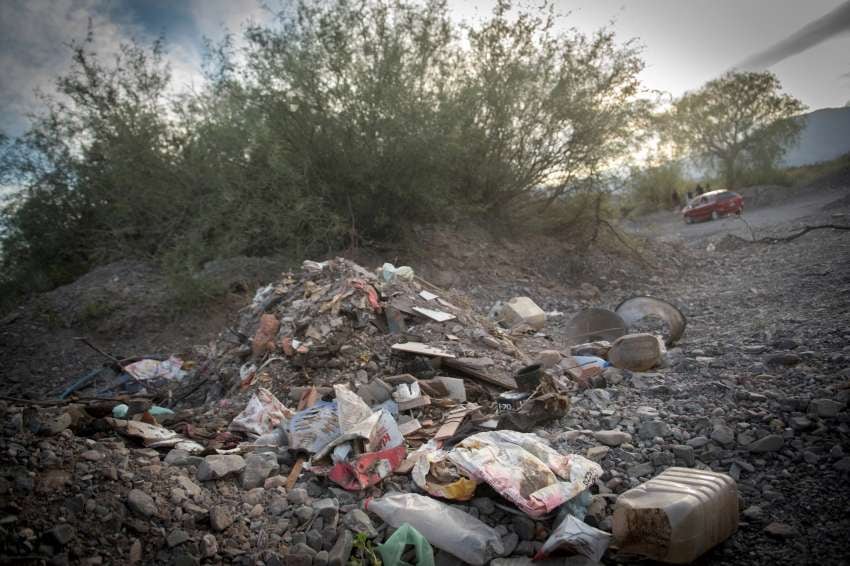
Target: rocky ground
x,y
758,388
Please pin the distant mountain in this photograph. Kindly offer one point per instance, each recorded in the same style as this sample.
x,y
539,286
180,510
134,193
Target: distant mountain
x,y
825,136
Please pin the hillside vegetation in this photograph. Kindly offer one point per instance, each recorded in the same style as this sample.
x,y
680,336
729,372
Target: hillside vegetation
x,y
338,125
343,124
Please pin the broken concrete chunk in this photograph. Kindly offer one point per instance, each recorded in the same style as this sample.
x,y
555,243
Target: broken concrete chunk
x,y
218,466
523,310
549,358
635,352
375,392
258,467
455,387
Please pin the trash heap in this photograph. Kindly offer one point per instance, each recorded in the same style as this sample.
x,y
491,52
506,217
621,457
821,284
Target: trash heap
x,y
336,322
396,392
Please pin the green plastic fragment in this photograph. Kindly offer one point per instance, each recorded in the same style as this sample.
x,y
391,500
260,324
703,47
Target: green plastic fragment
x,y
392,550
157,411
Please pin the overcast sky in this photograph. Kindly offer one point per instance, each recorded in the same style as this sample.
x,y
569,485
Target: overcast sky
x,y
687,42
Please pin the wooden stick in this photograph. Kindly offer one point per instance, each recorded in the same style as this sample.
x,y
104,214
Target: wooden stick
x,y
98,350
770,240
56,402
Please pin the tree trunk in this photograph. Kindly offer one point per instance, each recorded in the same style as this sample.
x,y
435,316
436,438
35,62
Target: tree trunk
x,y
729,172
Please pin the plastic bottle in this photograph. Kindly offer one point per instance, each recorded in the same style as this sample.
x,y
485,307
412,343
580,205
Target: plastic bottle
x,y
445,527
677,516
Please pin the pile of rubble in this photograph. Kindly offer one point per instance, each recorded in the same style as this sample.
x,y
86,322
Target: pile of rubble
x,y
342,390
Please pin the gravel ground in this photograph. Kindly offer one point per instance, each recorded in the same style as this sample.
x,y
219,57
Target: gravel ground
x,y
765,354
757,388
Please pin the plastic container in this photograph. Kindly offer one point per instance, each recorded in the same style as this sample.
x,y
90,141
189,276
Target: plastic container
x,y
677,516
445,527
528,378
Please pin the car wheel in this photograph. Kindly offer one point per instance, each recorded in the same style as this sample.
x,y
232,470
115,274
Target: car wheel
x,y
714,215
688,220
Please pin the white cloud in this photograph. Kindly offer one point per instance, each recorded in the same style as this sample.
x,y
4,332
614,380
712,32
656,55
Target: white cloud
x,y
34,52
216,17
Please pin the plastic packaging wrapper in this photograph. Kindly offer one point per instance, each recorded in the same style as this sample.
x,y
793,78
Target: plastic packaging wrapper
x,y
262,294
371,293
363,430
390,273
436,475
154,436
384,452
392,550
155,370
158,411
591,361
445,527
351,408
407,392
368,469
262,415
577,538
525,470
314,428
313,266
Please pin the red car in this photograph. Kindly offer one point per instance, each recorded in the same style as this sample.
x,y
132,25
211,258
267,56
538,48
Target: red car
x,y
712,206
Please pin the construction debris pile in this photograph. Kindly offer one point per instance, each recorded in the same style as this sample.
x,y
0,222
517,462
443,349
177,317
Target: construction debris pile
x,y
336,322
383,386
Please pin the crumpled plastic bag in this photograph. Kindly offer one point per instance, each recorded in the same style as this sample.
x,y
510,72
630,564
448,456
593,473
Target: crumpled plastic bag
x,y
390,273
394,547
578,538
156,370
261,415
524,469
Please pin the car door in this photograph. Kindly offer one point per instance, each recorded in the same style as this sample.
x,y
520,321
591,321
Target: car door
x,y
702,207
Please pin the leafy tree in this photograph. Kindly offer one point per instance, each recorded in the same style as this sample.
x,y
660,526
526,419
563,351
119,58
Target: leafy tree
x,y
652,187
342,122
736,121
544,113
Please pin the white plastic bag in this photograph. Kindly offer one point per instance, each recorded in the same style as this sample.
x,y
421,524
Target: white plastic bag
x,y
445,527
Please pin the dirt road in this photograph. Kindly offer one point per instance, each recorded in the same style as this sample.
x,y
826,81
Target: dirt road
x,y
758,221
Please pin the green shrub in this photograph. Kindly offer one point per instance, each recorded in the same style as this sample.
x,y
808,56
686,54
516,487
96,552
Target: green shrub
x,y
338,125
